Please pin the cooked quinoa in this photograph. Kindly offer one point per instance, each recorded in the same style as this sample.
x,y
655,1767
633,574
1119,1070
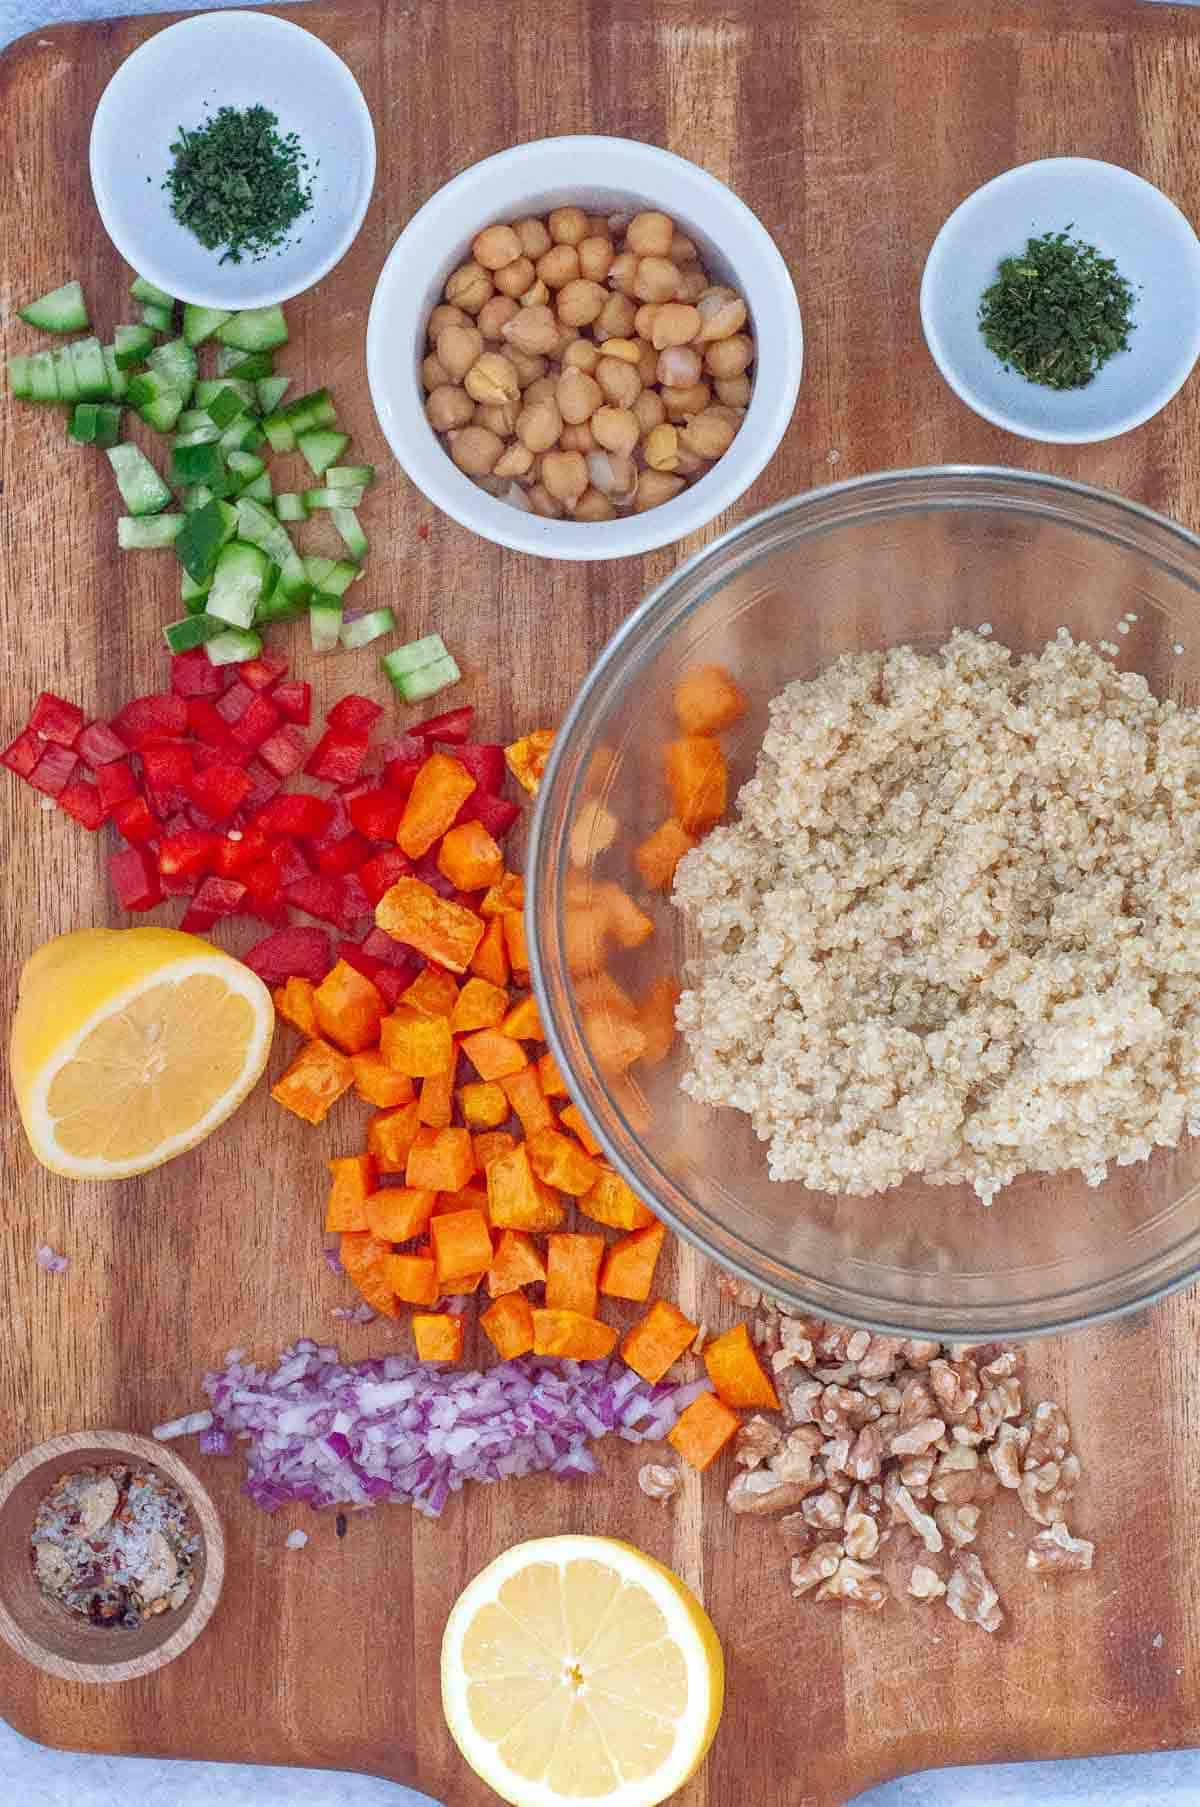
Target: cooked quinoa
x,y
954,932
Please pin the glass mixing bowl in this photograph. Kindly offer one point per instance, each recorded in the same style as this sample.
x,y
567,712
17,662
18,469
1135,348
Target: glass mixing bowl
x,y
898,558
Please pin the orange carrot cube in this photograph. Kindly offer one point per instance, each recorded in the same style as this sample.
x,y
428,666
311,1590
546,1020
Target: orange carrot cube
x,y
490,959
353,1180
480,1005
628,1268
585,937
508,893
314,1082
294,1003
659,854
469,857
471,1197
697,780
413,1278
509,1325
442,1159
517,1199
524,1092
526,758
447,932
612,1202
416,1045
437,1099
494,1056
560,1161
707,700
433,992
656,1020
438,1336
573,1272
629,925
572,1336
462,1244
524,1022
702,1430
553,1083
516,1263
657,1341
378,1084
349,1008
614,1041
573,1119
440,789
515,945
399,1213
490,1146
737,1373
484,1106
390,1136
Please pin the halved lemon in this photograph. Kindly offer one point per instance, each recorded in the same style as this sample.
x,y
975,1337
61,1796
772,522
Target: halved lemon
x,y
579,1669
131,1045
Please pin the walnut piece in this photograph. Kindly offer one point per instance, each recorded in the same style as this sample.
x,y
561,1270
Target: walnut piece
x,y
971,1596
818,1565
1057,1549
763,1493
658,1482
855,1582
925,1583
757,1439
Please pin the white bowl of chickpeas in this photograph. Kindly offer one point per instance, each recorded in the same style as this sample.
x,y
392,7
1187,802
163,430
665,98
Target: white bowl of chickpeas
x,y
584,348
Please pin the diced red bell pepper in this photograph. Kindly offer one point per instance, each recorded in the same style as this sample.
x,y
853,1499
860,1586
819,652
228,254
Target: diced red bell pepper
x,y
355,902
82,800
134,820
353,955
262,672
341,901
133,874
266,785
452,728
220,790
55,719
116,783
285,751
207,726
194,675
298,952
426,869
257,724
53,770
23,755
178,884
294,701
289,862
167,771
402,760
338,756
346,855
276,915
380,946
262,885
235,702
354,712
391,983
296,814
223,896
377,814
97,745
485,762
380,874
496,813
234,857
187,854
152,718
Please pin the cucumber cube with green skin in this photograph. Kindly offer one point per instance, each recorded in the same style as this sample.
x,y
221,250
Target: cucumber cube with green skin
x,y
194,496
349,476
61,311
64,375
250,367
270,391
156,399
20,381
226,407
290,506
91,378
108,424
321,448
118,382
353,537
333,575
208,390
201,463
312,411
191,594
417,653
85,419
278,430
150,533
43,378
142,489
237,583
419,686
325,623
141,290
367,628
159,319
278,607
202,536
175,362
245,466
194,630
259,489
257,329
133,345
192,420
332,498
242,436
200,323
233,647
208,435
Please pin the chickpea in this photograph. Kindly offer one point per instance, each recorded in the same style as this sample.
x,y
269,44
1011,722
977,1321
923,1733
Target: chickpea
x,y
654,488
449,407
616,429
678,367
629,351
493,314
536,295
568,225
580,302
649,411
527,366
516,460
729,357
616,322
650,234
498,417
692,283
542,389
680,403
515,496
495,247
578,438
533,238
643,320
539,424
543,503
675,323
614,474
583,355
475,450
709,433
647,364
657,279
534,329
559,266
516,278
457,349
592,506
733,391
578,396
661,450
690,464
564,475
682,250
722,313
620,382
442,316
433,372
469,287
596,256
622,273
492,380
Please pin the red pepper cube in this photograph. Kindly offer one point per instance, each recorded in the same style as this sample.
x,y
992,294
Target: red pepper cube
x,y
194,675
235,702
355,902
338,756
264,785
257,723
233,857
220,790
82,800
116,783
178,884
148,719
402,760
221,896
379,874
380,946
354,712
485,762
377,814
23,755
206,725
262,885
98,746
53,770
262,672
289,862
134,820
285,751
346,855
353,955
496,814
55,719
294,701
167,771
133,875
187,854
295,814
452,728
298,952
319,896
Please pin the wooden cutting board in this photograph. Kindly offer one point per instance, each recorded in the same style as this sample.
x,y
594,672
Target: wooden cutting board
x,y
852,129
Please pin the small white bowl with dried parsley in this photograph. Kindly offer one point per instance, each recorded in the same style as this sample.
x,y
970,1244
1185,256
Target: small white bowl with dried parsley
x,y
1061,301
232,160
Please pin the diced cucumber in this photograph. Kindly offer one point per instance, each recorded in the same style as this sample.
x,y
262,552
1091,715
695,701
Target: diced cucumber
x,y
367,628
202,536
158,319
142,489
416,686
118,382
226,407
176,363
43,378
278,430
257,329
61,311
332,498
194,630
85,419
325,623
317,570
290,507
354,539
108,424
64,374
349,476
336,575
208,435
246,466
192,594
410,658
20,381
200,323
91,378
249,366
270,392
209,388
195,496
237,583
259,489
156,399
150,533
141,290
233,647
277,606
309,412
196,463
321,448
133,345
243,436
259,527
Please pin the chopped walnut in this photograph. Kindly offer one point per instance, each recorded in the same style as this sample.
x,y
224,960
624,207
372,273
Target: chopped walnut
x,y
919,1354
866,1454
763,1493
881,1359
738,1292
793,1460
1057,1549
855,1582
917,1471
918,1438
824,1511
959,1524
925,1584
971,1596
905,1507
756,1440
860,1534
841,1406
916,1402
1046,1492
818,1565
795,1347
955,1387
1006,1452
1051,1435
858,1345
658,1482
803,1401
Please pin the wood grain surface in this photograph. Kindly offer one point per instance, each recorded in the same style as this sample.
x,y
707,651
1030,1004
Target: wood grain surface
x,y
852,128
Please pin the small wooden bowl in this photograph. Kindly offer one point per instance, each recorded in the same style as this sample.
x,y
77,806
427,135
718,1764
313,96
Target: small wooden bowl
x,y
61,1642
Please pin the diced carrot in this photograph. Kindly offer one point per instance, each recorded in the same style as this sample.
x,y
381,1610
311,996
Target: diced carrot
x,y
390,1135
349,1008
437,1099
490,959
433,992
572,1336
736,1371
614,1041
294,1003
509,1324
629,925
524,1092
707,700
480,1005
360,1250
553,1083
526,758
469,1283
593,832
517,1262
585,936
377,1083
560,1161
469,857
411,911
440,789
657,1341
600,991
314,1082
628,1270
517,1199
515,945
484,1105
612,1202
508,893
696,779
524,1021
573,1272
413,1278
416,1045
399,1213
353,1180
656,1020
494,1056
375,1285
573,1119
702,1430
444,1163
462,1244
471,1197
659,854
438,1336
490,1146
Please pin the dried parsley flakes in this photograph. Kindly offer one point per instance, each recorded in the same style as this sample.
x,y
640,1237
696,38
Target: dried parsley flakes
x,y
1057,312
236,182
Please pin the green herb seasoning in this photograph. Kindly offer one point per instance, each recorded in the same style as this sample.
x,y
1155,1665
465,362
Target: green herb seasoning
x,y
236,182
1057,312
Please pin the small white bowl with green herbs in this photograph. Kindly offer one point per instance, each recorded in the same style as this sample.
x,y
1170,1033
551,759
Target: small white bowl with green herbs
x,y
232,131
1128,269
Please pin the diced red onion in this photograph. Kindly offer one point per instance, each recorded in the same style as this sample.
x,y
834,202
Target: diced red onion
x,y
296,1540
49,1260
183,1427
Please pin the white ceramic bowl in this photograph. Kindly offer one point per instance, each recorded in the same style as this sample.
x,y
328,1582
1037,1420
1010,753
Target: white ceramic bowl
x,y
603,175
1127,219
180,77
